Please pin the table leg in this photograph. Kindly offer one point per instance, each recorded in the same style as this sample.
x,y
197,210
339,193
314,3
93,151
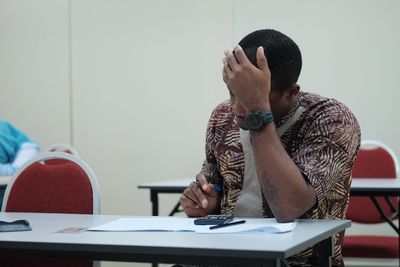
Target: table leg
x,y
325,252
154,201
283,263
384,216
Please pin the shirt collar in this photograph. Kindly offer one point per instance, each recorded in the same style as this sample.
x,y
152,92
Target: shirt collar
x,y
287,116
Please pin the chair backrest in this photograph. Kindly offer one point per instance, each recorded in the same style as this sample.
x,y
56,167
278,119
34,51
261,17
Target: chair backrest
x,y
374,160
63,148
54,182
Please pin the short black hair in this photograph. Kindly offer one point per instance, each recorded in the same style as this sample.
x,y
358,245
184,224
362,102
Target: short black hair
x,y
283,55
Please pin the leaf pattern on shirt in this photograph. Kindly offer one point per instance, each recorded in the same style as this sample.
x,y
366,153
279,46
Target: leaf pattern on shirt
x,y
323,143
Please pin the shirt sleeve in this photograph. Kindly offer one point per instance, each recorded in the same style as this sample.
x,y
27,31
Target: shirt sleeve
x,y
328,150
217,127
209,168
6,169
27,151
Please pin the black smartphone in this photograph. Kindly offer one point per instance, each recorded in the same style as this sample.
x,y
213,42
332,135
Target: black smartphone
x,y
214,219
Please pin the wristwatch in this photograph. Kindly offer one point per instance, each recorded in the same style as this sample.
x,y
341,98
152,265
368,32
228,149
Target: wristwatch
x,y
257,120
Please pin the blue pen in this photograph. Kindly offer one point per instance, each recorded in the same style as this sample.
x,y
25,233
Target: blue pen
x,y
217,186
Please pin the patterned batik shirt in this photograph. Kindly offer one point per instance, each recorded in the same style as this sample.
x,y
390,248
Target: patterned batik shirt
x,y
323,143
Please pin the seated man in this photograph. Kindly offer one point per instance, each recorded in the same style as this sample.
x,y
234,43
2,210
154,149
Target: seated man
x,y
15,148
274,150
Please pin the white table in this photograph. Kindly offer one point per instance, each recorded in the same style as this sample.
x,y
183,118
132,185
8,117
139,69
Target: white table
x,y
359,187
4,180
375,186
379,187
164,247
170,187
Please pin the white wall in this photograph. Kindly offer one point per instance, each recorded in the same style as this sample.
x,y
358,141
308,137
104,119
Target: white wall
x,y
34,84
146,75
132,83
350,52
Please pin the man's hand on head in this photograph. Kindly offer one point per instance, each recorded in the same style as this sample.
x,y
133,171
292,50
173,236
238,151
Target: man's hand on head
x,y
251,85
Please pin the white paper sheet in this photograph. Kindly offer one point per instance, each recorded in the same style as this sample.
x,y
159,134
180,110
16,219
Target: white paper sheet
x,y
176,224
252,226
147,224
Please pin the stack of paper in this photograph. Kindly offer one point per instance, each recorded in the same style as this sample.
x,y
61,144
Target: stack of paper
x,y
175,224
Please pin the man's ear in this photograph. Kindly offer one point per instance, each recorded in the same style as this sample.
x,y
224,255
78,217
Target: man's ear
x,y
293,91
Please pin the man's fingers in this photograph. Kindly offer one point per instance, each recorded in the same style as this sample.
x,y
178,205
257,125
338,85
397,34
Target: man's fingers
x,y
230,60
223,75
226,73
193,196
225,58
240,56
194,212
201,179
205,185
194,200
191,208
198,194
187,201
262,61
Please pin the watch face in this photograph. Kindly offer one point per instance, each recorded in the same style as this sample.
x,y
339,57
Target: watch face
x,y
254,121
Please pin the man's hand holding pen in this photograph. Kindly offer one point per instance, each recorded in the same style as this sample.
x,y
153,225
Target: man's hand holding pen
x,y
200,198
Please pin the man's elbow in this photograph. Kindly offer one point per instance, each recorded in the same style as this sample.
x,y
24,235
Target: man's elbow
x,y
291,212
289,209
283,217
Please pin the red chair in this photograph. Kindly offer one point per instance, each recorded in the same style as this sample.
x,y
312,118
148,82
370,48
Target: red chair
x,y
52,182
63,148
374,160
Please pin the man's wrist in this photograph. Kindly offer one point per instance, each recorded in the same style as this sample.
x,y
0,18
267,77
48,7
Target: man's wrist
x,y
258,106
257,120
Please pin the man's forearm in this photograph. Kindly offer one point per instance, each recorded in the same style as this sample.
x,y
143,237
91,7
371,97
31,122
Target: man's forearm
x,y
285,189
